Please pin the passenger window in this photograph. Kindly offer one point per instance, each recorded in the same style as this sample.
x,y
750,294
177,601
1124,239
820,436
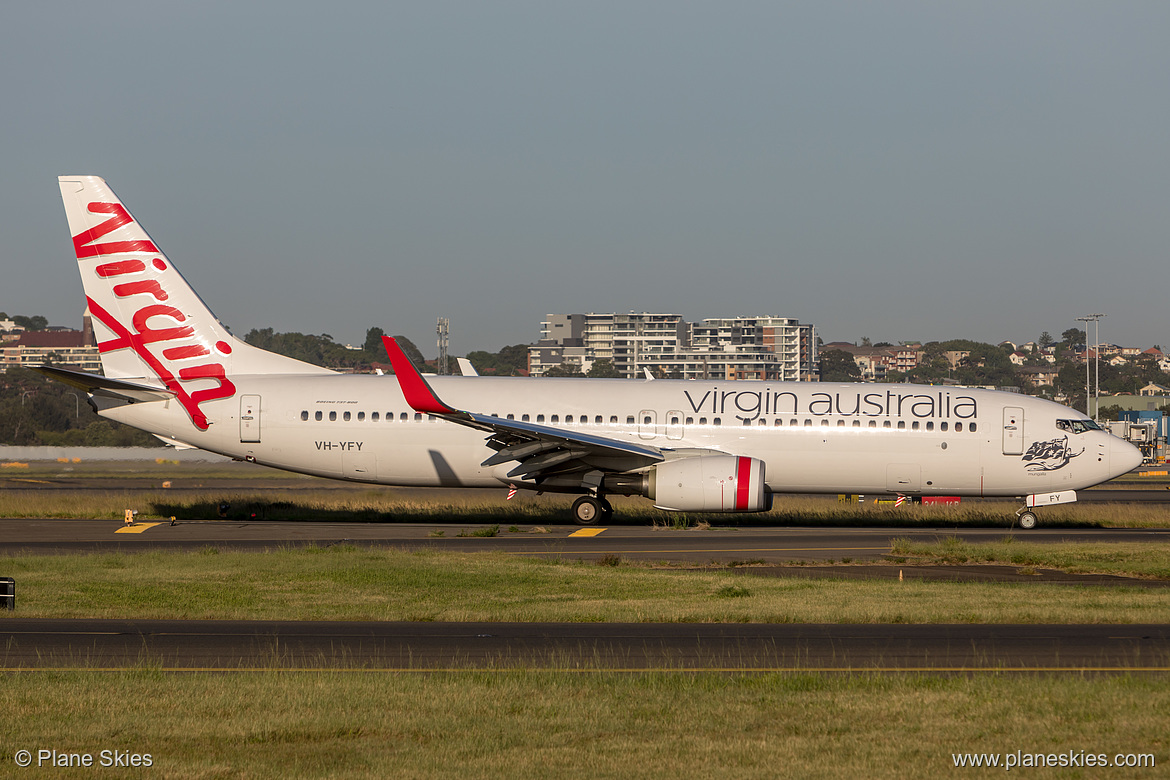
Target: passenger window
x,y
716,421
857,423
332,416
630,420
598,420
885,423
304,416
779,422
808,423
901,425
555,418
523,418
971,427
374,416
317,416
702,421
511,417
568,418
915,425
958,427
540,418
403,417
418,416
674,421
930,426
840,423
747,422
873,423
942,426
824,423
690,421
345,416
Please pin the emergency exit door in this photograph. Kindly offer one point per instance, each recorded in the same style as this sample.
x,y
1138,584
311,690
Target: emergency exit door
x,y
249,418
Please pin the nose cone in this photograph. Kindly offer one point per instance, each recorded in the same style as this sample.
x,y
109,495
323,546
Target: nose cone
x,y
1123,457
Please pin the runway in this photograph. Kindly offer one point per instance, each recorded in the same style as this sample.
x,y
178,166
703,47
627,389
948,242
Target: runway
x,y
180,645
758,544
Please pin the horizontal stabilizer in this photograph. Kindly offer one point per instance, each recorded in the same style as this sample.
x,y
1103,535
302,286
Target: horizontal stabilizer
x,y
95,384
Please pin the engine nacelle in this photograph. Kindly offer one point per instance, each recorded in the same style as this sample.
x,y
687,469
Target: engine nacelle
x,y
709,483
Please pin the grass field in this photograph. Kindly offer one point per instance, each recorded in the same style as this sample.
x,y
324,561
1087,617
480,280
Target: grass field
x,y
1126,559
452,506
350,583
530,723
538,724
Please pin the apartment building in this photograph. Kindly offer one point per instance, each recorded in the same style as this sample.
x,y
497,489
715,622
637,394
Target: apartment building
x,y
774,348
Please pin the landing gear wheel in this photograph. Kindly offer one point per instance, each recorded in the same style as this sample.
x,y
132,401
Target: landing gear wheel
x,y
1027,520
587,510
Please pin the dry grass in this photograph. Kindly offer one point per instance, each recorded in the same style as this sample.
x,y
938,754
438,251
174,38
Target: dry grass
x,y
1130,559
524,724
487,507
348,583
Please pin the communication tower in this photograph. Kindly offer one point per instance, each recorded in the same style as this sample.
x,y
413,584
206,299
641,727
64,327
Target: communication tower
x,y
444,331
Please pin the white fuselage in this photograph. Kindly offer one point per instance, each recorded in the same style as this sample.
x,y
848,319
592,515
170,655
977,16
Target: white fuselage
x,y
814,438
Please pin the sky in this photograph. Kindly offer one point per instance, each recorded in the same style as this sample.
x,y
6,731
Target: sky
x,y
898,171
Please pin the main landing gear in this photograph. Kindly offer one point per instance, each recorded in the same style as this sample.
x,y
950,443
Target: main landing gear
x,y
590,510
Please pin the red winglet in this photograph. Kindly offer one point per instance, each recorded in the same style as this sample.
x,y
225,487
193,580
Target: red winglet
x,y
418,393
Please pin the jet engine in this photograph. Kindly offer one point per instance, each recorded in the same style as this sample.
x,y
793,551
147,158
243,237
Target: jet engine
x,y
709,483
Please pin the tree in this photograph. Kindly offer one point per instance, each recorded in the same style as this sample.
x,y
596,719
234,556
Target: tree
x,y
1046,339
837,365
1073,337
603,369
374,348
412,352
564,370
36,322
509,361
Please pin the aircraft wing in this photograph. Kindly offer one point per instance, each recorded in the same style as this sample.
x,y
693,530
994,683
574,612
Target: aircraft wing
x,y
95,384
543,452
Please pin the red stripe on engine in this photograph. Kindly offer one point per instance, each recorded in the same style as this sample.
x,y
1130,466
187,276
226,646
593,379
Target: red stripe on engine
x,y
743,481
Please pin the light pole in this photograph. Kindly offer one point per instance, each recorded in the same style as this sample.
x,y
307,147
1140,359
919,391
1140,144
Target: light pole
x,y
1096,319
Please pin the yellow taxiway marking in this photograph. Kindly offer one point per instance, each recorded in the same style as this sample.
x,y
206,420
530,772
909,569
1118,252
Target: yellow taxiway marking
x,y
137,528
587,532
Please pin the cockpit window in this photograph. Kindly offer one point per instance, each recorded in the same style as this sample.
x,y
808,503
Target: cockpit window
x,y
1077,426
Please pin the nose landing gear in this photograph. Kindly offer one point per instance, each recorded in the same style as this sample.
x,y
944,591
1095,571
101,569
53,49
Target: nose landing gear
x,y
1027,519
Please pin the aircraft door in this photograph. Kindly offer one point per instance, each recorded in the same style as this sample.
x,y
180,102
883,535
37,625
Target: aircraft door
x,y
674,424
1013,430
647,423
249,418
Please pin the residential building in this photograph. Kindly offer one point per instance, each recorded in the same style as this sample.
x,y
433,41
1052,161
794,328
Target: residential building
x,y
774,348
69,348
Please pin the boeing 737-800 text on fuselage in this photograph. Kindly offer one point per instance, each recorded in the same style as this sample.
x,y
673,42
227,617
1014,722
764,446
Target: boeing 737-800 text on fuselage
x,y
172,369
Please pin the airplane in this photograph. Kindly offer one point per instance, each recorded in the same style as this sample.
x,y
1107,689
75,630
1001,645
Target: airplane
x,y
172,369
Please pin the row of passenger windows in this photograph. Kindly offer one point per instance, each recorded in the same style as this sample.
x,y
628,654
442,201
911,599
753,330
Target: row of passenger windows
x,y
583,419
